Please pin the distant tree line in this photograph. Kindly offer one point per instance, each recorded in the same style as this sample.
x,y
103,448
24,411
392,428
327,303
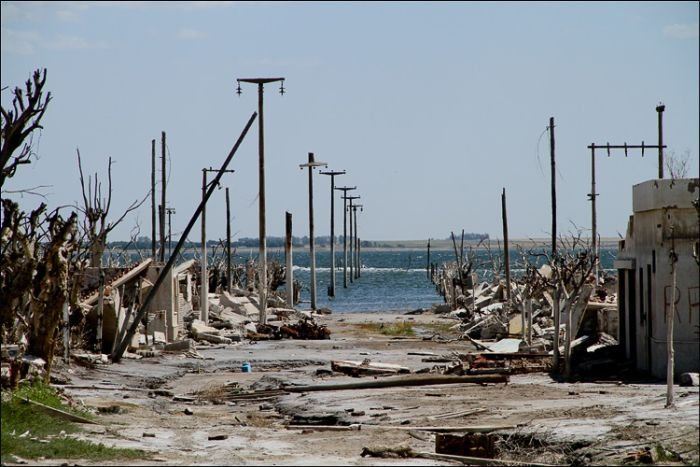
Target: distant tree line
x,y
470,236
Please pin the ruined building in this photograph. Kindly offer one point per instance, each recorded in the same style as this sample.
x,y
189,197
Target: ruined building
x,y
665,224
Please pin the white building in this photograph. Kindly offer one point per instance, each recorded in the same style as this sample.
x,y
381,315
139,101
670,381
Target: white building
x,y
665,219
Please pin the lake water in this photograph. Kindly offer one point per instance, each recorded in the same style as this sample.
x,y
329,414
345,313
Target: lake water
x,y
390,280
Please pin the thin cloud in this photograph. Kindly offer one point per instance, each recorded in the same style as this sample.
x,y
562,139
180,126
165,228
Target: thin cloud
x,y
189,34
28,42
19,42
682,31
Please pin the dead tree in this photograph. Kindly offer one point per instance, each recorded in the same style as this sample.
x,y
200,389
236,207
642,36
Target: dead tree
x,y
96,209
568,271
34,279
19,123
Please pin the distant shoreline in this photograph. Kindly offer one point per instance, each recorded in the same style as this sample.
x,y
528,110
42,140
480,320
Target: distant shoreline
x,y
440,245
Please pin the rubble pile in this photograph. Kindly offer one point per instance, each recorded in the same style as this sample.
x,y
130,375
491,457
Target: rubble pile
x,y
517,335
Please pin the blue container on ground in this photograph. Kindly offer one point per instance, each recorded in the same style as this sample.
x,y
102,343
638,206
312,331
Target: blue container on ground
x,y
246,368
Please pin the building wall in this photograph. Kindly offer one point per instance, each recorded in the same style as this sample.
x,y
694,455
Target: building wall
x,y
664,220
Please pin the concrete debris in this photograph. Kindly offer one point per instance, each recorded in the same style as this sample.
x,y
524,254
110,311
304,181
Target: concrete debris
x,y
524,325
690,379
366,367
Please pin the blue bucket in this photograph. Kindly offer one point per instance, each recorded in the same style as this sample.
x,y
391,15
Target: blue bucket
x,y
245,368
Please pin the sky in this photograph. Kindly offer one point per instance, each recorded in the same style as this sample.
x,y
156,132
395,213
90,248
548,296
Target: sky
x,y
431,108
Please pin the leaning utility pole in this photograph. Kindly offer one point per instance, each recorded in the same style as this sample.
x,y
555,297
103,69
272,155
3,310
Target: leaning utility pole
x,y
592,195
117,354
345,190
312,254
331,289
204,287
262,288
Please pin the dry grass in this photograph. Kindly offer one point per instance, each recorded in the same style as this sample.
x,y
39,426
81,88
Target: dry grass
x,y
213,393
404,328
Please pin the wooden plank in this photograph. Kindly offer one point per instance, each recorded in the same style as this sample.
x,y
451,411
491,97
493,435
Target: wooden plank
x,y
121,280
448,429
57,412
412,380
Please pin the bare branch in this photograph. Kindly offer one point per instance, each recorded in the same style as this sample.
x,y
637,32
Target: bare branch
x,y
18,124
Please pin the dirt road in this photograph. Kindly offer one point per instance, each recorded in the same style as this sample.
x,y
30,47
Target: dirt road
x,y
192,411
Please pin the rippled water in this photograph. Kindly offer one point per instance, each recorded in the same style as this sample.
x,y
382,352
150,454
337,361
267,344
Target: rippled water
x,y
390,280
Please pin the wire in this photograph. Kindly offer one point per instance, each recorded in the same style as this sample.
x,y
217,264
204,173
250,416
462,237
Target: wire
x,y
537,150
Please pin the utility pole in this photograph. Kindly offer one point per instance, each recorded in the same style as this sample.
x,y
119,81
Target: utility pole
x,y
592,195
204,287
554,187
262,290
660,111
427,268
345,190
169,212
357,242
331,290
352,259
162,199
288,256
506,256
229,280
555,293
312,254
153,199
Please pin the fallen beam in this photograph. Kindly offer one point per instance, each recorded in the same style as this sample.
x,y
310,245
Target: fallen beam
x,y
447,429
413,380
58,412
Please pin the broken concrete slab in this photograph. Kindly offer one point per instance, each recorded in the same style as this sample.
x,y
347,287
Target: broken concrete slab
x,y
245,306
198,327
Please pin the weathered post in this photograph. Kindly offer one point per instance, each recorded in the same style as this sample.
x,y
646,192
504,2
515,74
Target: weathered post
x,y
100,311
332,174
506,253
427,267
670,353
262,257
594,227
66,331
557,327
162,199
554,186
204,286
345,190
170,211
529,321
660,110
288,257
229,279
357,241
350,199
153,199
312,253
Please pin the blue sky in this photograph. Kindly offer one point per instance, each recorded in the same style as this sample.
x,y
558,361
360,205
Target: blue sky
x,y
431,108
